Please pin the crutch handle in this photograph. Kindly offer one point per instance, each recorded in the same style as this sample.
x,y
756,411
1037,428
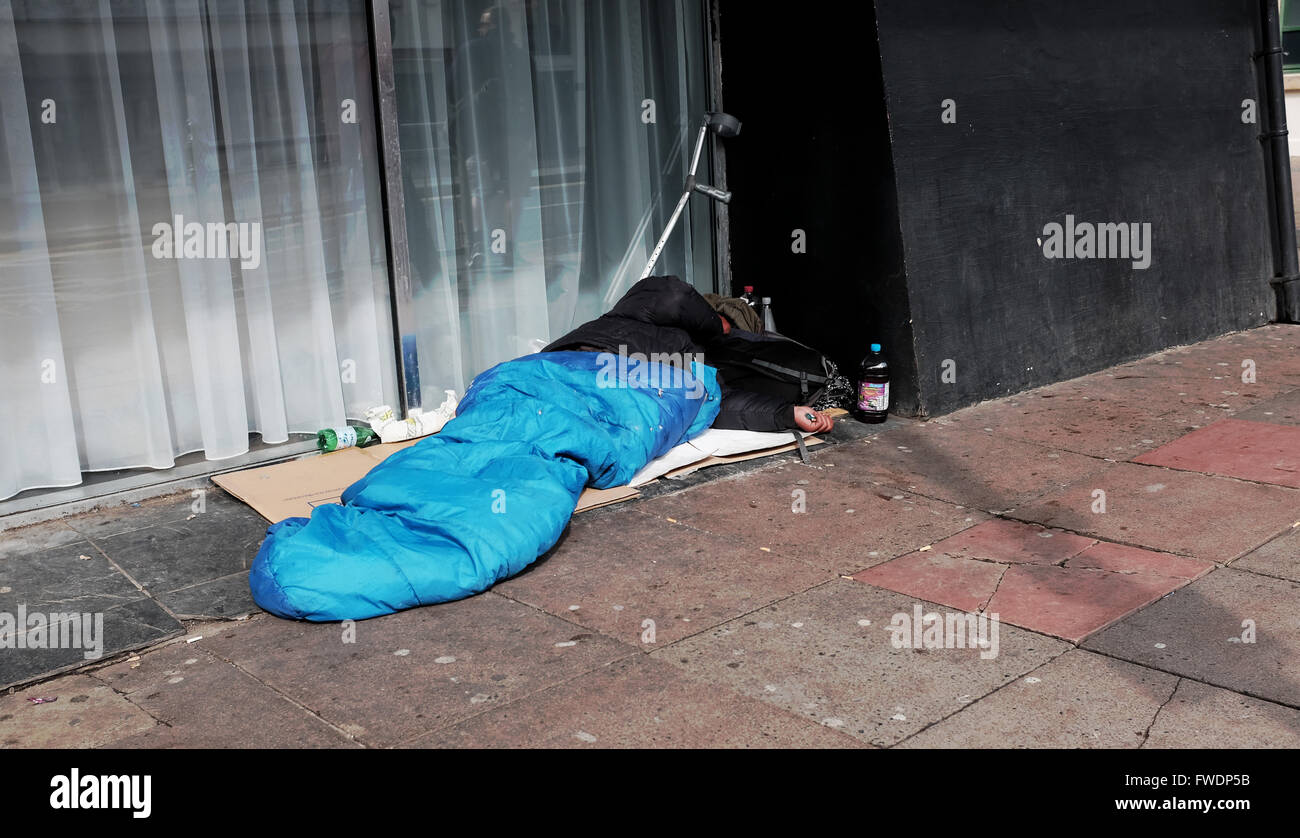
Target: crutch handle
x,y
713,192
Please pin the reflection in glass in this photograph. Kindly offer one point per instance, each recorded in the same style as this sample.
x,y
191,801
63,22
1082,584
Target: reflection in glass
x,y
542,153
127,126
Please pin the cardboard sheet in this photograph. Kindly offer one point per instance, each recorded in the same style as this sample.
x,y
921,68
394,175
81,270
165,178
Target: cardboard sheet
x,y
293,488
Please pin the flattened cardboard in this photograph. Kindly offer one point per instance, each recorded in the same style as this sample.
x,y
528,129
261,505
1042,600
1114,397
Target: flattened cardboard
x,y
595,498
292,489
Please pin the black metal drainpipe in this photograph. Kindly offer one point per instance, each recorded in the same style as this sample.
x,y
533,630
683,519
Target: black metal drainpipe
x,y
1286,281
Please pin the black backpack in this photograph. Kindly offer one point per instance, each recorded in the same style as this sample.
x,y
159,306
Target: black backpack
x,y
795,371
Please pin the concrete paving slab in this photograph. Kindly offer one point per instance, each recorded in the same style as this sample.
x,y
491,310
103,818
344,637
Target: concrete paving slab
x,y
1274,348
396,684
1198,632
973,467
1078,700
86,714
1279,557
1283,410
70,577
1178,391
36,538
201,701
162,510
77,639
389,679
812,655
225,598
637,703
1203,516
615,569
220,541
847,523
1068,419
1208,389
1201,716
1258,451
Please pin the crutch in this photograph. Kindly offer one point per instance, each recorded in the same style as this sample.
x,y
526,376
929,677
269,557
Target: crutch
x,y
724,125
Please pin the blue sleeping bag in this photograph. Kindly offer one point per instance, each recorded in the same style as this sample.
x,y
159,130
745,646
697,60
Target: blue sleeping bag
x,y
458,512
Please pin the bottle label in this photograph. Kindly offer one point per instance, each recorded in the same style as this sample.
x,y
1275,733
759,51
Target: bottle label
x,y
347,436
873,396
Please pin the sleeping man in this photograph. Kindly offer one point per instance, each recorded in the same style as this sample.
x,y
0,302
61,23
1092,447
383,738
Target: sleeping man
x,y
662,316
476,503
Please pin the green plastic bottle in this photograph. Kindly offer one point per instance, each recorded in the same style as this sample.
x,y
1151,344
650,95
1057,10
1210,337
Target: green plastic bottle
x,y
332,439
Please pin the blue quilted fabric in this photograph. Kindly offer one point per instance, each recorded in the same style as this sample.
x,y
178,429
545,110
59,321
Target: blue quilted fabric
x,y
462,510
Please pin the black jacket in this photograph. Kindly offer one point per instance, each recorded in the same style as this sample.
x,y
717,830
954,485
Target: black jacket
x,y
663,314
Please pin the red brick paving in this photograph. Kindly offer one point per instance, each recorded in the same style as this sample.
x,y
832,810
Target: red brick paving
x,y
1012,542
1072,603
1259,451
961,583
1121,558
1063,585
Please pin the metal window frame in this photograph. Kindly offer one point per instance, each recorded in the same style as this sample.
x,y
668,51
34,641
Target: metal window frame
x,y
718,156
393,198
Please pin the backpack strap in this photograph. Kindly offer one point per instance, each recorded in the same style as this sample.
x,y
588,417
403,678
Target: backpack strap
x,y
803,449
803,375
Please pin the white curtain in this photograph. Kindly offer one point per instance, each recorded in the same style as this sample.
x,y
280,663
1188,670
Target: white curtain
x,y
536,177
118,116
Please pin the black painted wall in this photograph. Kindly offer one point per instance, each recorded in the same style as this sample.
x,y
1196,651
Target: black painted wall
x,y
1106,110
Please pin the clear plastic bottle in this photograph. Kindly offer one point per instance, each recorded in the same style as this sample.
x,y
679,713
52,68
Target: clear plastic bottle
x,y
765,311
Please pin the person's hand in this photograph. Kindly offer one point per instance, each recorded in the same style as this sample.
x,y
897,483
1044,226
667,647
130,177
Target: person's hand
x,y
819,423
726,325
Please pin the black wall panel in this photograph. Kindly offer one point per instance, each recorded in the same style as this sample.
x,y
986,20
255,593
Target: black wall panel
x,y
926,235
1103,110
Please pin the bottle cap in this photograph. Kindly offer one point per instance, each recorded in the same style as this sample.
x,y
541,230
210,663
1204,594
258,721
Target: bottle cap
x,y
767,301
749,289
875,347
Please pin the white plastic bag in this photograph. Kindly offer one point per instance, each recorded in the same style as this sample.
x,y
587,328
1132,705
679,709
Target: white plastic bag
x,y
384,421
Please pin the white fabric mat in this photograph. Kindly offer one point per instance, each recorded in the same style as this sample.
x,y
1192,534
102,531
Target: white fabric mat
x,y
712,443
